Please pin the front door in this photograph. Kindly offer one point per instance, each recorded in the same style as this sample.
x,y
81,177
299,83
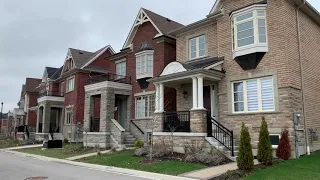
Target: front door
x,y
122,111
209,99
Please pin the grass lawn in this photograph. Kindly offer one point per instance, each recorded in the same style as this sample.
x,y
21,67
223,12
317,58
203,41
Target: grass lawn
x,y
7,144
125,159
307,167
75,150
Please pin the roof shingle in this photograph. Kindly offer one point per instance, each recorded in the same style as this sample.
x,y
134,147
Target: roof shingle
x,y
32,84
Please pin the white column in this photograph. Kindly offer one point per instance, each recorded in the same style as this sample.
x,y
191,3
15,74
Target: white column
x,y
200,92
157,100
161,98
194,93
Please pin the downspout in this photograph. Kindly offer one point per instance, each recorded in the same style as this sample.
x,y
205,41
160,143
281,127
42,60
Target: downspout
x,y
307,150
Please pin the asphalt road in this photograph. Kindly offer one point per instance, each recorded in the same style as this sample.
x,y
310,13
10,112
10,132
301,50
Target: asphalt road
x,y
15,167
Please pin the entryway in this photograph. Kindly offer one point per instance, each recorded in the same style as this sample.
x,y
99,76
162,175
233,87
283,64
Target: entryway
x,y
210,100
121,109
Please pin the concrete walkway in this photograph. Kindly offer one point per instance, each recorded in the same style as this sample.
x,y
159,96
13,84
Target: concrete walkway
x,y
212,172
25,147
109,169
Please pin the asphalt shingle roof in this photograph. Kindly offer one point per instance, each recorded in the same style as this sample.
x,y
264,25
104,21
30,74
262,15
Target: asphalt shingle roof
x,y
32,84
203,63
80,57
51,71
57,74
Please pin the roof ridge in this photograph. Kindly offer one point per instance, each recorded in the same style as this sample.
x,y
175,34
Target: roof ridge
x,y
81,50
161,15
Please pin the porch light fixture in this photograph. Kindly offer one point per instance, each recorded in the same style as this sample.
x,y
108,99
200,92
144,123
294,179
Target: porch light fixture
x,y
185,94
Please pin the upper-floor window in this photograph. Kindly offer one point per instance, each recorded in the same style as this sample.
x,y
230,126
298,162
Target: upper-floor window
x,y
197,47
249,30
121,68
253,95
144,64
70,86
62,86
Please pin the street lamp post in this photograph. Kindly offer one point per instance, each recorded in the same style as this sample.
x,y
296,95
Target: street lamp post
x,y
1,118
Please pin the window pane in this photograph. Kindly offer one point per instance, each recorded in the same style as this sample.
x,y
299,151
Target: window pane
x,y
238,86
201,53
245,34
193,55
267,94
238,96
252,95
261,13
193,42
261,23
238,107
245,16
202,39
262,30
262,38
245,26
201,46
245,42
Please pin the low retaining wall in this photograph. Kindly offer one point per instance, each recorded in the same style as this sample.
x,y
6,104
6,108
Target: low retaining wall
x,y
93,139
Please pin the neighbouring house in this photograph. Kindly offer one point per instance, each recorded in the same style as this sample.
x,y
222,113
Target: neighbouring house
x,y
119,108
3,123
18,113
61,99
245,60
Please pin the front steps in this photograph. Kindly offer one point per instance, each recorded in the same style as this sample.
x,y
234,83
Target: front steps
x,y
213,142
129,139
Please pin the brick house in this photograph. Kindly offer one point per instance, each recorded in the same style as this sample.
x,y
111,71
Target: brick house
x,y
61,98
245,60
119,109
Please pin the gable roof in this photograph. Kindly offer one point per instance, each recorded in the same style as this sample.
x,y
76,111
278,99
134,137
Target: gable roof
x,y
32,84
98,53
23,90
57,74
80,57
51,71
162,24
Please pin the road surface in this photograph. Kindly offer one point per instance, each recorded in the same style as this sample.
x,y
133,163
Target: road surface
x,y
15,167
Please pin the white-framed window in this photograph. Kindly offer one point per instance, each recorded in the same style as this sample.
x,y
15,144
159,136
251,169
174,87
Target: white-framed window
x,y
69,115
145,106
253,95
249,30
121,68
62,87
70,85
197,47
144,64
275,140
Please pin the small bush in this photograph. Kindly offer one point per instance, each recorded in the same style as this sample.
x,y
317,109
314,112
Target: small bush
x,y
66,140
284,149
139,144
141,152
159,150
245,157
193,147
264,146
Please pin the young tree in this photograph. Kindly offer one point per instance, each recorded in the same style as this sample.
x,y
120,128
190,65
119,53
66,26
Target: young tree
x,y
245,157
284,149
264,146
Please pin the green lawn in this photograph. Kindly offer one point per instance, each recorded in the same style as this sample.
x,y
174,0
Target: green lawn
x,y
75,150
125,159
7,144
307,167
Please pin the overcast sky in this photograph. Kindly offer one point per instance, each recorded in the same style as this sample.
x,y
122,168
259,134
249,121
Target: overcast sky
x,y
38,33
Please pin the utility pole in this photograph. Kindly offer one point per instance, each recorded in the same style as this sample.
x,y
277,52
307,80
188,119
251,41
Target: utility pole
x,y
1,118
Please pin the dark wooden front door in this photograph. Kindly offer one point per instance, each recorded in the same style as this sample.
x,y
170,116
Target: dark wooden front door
x,y
207,98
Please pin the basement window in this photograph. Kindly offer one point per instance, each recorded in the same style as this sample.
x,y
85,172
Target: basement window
x,y
249,30
275,140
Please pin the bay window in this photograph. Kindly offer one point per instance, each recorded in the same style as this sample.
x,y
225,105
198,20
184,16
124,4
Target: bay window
x,y
144,64
249,30
145,106
197,47
254,95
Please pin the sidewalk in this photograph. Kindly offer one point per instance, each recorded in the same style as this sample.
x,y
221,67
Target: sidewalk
x,y
24,147
141,174
212,172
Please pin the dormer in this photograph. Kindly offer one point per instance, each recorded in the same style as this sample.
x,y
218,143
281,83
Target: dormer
x,y
69,63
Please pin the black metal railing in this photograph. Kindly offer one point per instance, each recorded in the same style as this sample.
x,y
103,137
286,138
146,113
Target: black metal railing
x,y
51,93
137,126
40,128
176,121
109,77
220,133
94,124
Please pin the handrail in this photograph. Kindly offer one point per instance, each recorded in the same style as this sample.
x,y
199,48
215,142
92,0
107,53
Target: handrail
x,y
226,139
137,126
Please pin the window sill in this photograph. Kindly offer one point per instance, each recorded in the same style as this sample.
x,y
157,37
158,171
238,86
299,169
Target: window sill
x,y
253,113
254,48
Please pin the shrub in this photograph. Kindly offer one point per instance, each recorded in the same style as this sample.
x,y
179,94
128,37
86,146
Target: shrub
x,y
264,146
139,144
141,152
66,140
159,150
284,149
245,157
193,147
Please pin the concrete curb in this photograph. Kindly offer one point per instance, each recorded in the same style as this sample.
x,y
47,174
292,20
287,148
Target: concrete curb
x,y
24,147
128,172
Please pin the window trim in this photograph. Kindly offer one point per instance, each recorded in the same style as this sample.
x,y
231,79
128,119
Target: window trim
x,y
146,73
150,112
67,109
67,84
256,46
245,99
197,46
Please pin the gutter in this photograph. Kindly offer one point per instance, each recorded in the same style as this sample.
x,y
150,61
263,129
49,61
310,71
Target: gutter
x,y
307,150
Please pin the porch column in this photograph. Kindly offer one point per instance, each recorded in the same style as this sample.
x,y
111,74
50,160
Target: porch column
x,y
200,92
161,98
157,100
194,93
38,116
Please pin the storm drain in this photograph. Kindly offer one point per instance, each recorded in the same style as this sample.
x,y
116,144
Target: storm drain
x,y
37,178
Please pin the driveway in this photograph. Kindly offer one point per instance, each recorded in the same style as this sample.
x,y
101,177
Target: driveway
x,y
14,167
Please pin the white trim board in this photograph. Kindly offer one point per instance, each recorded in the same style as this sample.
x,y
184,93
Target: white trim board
x,y
106,84
50,98
180,134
